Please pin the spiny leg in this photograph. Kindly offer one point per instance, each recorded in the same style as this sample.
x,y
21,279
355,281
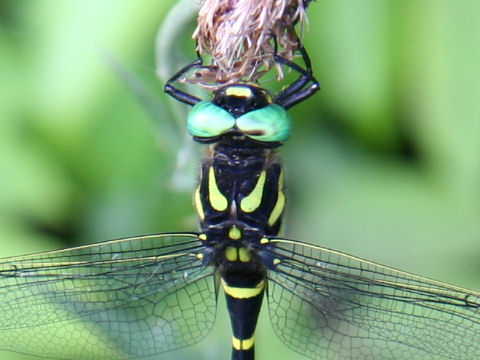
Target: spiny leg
x,y
294,94
180,95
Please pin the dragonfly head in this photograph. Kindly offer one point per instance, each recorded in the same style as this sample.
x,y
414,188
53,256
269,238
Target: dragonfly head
x,y
240,110
239,99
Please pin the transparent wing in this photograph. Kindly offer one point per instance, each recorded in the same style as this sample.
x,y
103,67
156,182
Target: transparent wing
x,y
120,299
329,305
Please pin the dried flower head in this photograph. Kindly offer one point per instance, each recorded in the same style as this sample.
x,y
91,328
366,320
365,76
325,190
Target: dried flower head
x,y
238,35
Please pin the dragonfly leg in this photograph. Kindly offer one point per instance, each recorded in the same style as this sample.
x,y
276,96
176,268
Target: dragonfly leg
x,y
178,94
297,92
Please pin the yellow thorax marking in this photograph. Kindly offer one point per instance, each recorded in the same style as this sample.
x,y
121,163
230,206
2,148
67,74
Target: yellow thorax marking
x,y
245,344
279,205
217,200
252,201
231,253
244,254
198,203
243,293
239,91
234,233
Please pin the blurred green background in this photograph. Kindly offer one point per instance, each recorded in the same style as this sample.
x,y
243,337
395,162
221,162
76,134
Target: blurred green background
x,y
384,162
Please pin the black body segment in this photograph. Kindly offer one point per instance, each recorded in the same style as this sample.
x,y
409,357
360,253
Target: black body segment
x,y
243,354
243,303
239,186
239,189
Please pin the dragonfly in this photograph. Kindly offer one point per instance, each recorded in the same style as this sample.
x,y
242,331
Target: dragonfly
x,y
144,296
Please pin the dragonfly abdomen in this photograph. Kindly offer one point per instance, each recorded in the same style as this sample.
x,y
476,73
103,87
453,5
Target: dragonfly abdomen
x,y
243,281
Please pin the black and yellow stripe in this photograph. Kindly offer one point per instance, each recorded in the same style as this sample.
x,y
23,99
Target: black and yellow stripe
x,y
243,305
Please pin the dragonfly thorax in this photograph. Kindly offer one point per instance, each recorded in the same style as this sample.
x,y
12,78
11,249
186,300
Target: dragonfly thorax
x,y
239,99
240,193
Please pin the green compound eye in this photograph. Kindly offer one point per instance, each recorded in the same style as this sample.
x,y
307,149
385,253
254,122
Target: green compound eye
x,y
208,120
269,124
